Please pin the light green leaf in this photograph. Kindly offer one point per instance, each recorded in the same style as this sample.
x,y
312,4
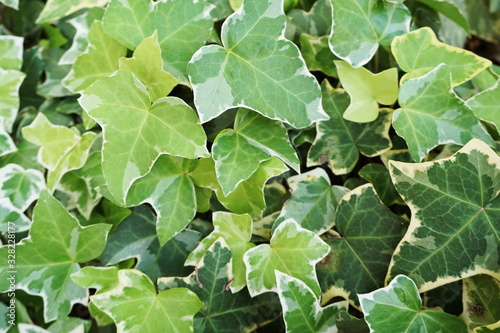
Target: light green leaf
x,y
11,3
11,52
238,153
135,306
451,11
147,65
317,54
45,260
340,141
248,197
481,299
236,230
313,203
10,81
131,126
21,187
272,79
56,9
366,89
99,60
11,216
292,250
222,9
398,308
7,145
25,156
486,105
100,278
431,114
361,250
183,27
80,195
375,22
419,52
301,309
461,190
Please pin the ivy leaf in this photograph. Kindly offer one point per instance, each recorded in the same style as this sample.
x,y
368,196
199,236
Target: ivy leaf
x,y
317,54
10,81
11,3
135,306
122,106
448,120
147,65
45,260
238,153
292,250
366,89
317,22
463,191
54,74
276,81
376,22
222,9
361,250
313,203
236,230
80,195
223,310
485,105
62,149
183,27
481,299
301,309
450,10
11,52
419,52
7,146
379,177
21,187
341,140
398,308
56,9
89,66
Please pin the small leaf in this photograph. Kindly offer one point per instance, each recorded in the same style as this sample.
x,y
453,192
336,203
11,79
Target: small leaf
x,y
10,81
398,308
451,10
7,146
317,54
272,79
317,22
486,105
56,9
21,187
11,52
481,300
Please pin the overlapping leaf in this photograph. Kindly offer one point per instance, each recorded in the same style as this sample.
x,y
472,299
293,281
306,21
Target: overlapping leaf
x,y
7,145
398,308
10,81
11,52
317,54
272,79
481,301
486,105
454,230
55,9
45,260
454,10
317,22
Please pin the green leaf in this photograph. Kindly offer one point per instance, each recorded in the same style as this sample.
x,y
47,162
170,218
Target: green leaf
x,y
301,309
451,11
56,9
62,149
7,146
236,230
11,52
135,306
419,52
313,203
361,250
366,89
272,79
183,27
122,106
481,301
375,22
431,114
461,190
292,250
147,65
222,9
316,23
248,197
340,141
54,74
99,60
25,156
398,308
378,175
80,195
317,54
45,260
11,3
21,187
485,105
223,311
10,81
238,153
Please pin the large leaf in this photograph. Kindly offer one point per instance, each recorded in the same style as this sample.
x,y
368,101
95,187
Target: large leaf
x,y
340,141
367,90
45,259
431,114
122,105
272,79
301,309
223,311
461,190
360,26
398,308
292,250
486,105
238,153
362,248
55,9
419,52
135,306
183,26
481,299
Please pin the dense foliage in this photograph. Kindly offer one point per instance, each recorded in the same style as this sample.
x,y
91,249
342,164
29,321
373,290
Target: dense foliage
x,y
256,165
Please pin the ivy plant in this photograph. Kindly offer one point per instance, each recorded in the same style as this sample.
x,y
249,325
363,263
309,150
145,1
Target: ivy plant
x,y
249,166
